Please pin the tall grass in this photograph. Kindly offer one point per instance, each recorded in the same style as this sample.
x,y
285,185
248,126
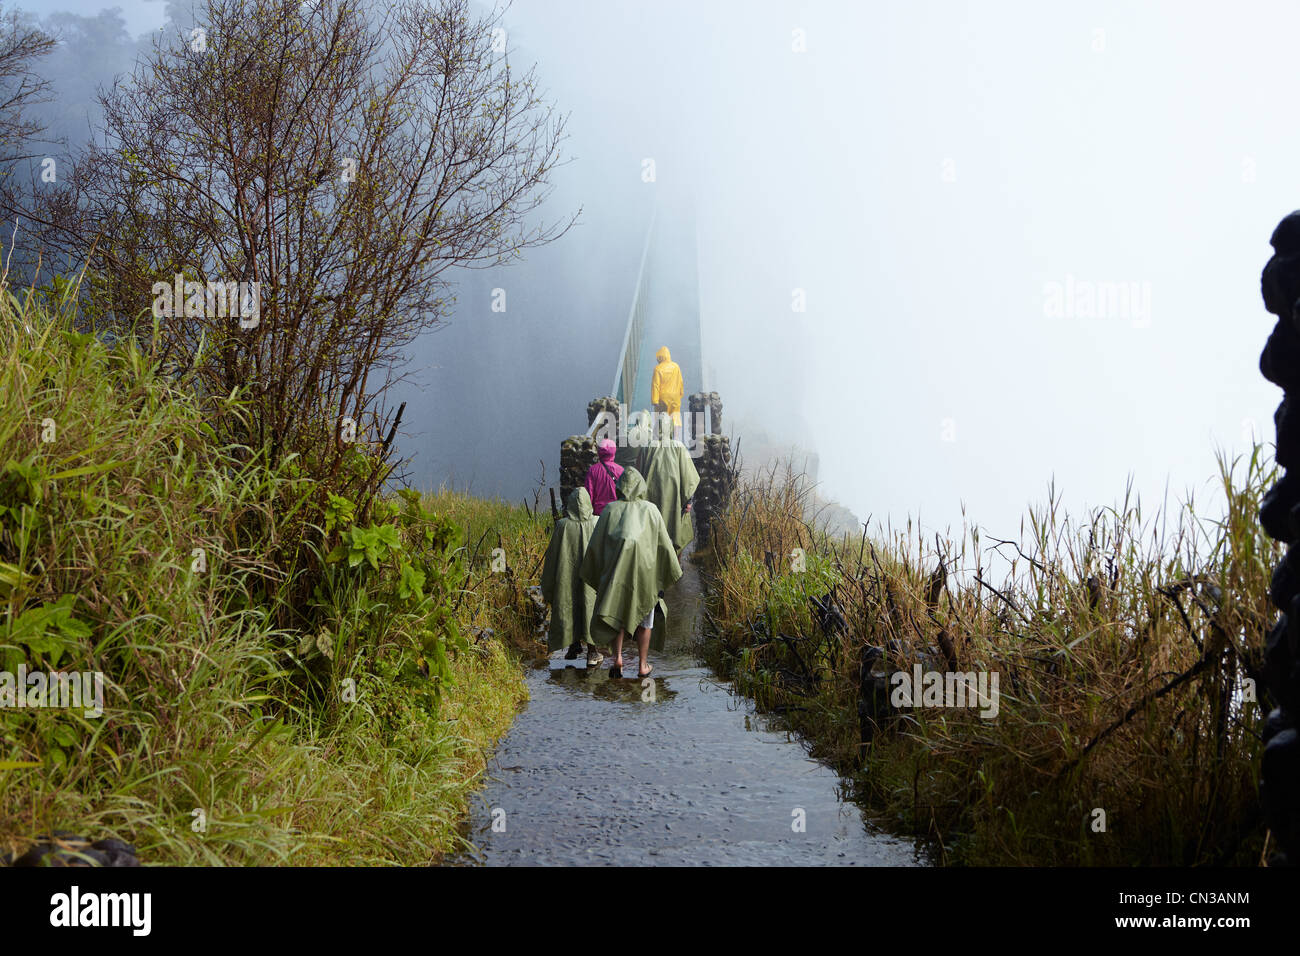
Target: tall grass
x,y
227,737
1127,648
504,544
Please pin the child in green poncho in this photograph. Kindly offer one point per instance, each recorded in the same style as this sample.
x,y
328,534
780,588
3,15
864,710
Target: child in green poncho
x,y
571,601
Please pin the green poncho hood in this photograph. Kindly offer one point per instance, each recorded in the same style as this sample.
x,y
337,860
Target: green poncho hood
x,y
630,485
629,560
571,600
671,480
578,505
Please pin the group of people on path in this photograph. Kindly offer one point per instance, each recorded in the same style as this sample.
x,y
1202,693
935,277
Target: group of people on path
x,y
616,549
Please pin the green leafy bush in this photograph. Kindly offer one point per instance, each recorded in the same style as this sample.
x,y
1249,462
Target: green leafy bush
x,y
308,710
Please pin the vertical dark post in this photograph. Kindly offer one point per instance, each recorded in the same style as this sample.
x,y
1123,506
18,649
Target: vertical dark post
x,y
713,463
1280,517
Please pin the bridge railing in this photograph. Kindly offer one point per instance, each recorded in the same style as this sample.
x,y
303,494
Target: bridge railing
x,y
629,359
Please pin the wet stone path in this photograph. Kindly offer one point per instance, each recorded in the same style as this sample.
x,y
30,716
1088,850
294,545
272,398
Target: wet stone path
x,y
594,771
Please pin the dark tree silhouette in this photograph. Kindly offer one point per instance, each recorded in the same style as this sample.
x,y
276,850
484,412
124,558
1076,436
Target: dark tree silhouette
x,y
20,85
342,159
1278,513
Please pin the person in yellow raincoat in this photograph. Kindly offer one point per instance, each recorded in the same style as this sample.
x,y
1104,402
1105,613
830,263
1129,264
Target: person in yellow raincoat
x,y
666,387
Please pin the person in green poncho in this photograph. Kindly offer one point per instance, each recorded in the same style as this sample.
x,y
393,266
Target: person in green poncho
x,y
630,560
570,599
671,480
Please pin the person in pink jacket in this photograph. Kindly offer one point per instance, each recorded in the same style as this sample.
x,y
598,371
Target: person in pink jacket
x,y
602,475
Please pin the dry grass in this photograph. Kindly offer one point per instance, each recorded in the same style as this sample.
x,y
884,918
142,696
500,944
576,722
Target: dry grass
x,y
1122,644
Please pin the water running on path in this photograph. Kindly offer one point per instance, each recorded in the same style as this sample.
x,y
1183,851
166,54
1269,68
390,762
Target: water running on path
x,y
600,771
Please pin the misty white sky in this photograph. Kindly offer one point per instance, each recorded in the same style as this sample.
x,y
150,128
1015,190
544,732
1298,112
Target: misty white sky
x,y
922,171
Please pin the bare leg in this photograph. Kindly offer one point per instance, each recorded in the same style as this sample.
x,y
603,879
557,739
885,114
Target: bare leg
x,y
618,649
642,648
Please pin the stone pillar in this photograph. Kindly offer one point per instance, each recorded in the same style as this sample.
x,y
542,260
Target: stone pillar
x,y
1280,517
598,405
717,481
577,454
696,404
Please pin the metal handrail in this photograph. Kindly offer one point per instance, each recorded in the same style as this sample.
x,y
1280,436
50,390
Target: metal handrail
x,y
629,356
699,299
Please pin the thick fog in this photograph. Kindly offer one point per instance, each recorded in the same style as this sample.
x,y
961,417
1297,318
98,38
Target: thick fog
x,y
1028,240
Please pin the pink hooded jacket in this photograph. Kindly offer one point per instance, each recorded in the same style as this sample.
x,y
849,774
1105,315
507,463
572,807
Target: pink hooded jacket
x,y
602,475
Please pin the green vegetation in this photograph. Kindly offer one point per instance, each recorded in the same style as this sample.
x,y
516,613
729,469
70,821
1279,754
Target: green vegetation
x,y
1124,647
299,664
283,683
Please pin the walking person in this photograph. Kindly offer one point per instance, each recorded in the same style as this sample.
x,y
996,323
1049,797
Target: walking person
x,y
667,387
571,600
671,479
602,476
630,560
